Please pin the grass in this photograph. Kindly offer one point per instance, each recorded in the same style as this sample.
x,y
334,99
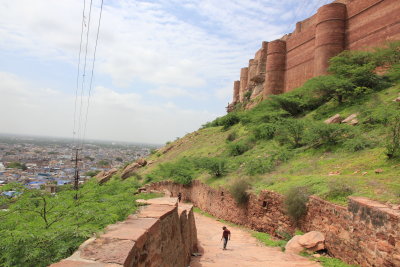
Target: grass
x,y
267,240
327,261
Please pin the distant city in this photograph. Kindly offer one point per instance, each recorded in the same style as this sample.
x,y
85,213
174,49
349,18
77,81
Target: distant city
x,y
38,161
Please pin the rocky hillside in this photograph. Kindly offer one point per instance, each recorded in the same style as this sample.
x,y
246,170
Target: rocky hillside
x,y
338,135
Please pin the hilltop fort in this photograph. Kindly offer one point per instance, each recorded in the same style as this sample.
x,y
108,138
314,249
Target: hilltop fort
x,y
282,65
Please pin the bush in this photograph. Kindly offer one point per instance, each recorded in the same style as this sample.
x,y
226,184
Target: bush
x,y
264,131
291,103
264,165
291,132
380,115
339,190
229,120
181,172
296,202
322,134
215,166
238,148
239,191
357,144
259,166
393,142
231,137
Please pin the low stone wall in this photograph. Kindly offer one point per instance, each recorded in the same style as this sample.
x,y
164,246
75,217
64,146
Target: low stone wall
x,y
365,233
160,235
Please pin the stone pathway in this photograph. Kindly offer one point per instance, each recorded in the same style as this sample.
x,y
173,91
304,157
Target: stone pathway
x,y
243,250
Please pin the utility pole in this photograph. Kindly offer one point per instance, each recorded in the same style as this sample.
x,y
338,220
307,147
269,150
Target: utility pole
x,y
76,176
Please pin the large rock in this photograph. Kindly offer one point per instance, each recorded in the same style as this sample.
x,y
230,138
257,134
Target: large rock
x,y
105,176
351,120
131,168
311,241
334,119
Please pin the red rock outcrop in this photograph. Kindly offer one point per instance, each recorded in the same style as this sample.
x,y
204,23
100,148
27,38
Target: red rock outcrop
x,y
304,53
161,234
105,176
131,168
365,233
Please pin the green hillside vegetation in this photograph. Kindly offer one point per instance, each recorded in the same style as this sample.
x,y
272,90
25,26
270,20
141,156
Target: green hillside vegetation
x,y
283,143
38,228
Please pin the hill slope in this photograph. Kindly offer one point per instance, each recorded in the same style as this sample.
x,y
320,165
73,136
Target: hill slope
x,y
284,143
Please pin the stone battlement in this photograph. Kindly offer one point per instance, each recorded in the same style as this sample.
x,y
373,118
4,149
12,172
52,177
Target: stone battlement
x,y
282,65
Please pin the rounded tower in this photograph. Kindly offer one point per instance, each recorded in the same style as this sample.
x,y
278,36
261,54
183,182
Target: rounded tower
x,y
244,73
275,68
329,35
236,88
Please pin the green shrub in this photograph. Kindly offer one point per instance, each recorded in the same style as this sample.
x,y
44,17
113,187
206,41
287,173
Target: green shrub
x,y
382,114
231,137
357,144
291,132
238,148
259,166
264,131
215,166
393,142
239,191
339,190
181,172
394,73
229,120
247,95
92,173
268,164
322,134
291,103
296,202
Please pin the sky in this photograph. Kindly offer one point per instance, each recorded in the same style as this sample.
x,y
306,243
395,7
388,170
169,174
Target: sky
x,y
162,67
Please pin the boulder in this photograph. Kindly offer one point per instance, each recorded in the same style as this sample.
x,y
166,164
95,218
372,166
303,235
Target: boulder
x,y
311,241
105,176
351,120
131,168
334,119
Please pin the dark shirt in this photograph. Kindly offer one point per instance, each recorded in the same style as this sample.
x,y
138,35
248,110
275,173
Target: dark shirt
x,y
226,234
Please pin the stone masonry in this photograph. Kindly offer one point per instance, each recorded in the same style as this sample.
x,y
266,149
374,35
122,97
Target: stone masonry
x,y
160,235
282,65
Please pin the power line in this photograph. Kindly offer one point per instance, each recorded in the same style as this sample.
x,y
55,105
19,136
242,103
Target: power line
x,y
84,72
91,76
77,76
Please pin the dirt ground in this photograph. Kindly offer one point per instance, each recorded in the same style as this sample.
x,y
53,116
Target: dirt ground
x,y
242,250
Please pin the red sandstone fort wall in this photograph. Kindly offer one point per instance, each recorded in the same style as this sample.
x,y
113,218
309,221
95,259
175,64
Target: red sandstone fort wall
x,y
285,64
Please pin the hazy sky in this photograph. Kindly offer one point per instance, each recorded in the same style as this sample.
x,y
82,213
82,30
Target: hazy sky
x,y
163,67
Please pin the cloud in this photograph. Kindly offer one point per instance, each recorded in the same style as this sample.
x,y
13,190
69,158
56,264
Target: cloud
x,y
155,58
112,115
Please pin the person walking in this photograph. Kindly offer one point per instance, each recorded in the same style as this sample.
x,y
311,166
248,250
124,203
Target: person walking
x,y
226,235
179,197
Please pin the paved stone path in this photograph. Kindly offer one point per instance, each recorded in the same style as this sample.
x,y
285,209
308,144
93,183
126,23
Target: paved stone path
x,y
243,250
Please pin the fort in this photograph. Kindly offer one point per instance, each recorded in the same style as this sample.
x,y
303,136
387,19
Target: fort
x,y
282,65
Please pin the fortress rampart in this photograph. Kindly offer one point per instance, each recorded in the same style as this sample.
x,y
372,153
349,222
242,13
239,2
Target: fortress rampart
x,y
282,65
